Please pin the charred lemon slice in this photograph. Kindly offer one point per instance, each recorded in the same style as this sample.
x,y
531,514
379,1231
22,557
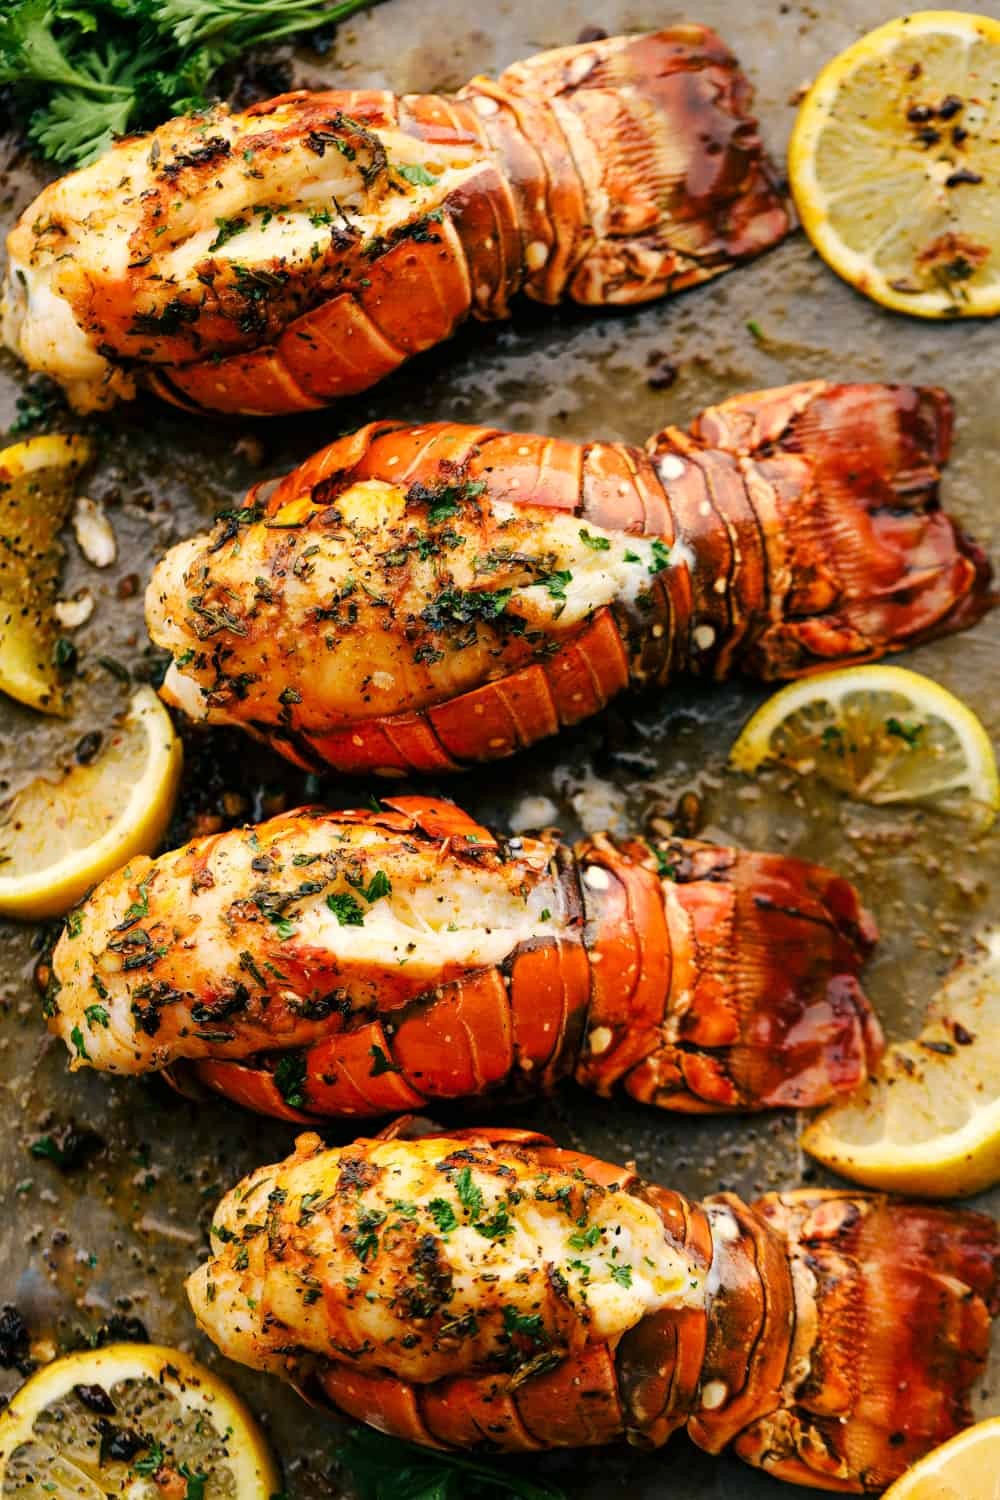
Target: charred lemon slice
x,y
928,1122
58,838
882,735
36,486
966,1468
894,163
135,1420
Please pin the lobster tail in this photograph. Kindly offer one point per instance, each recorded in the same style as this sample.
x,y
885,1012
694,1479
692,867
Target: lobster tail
x,y
655,131
830,1338
437,595
861,560
893,1303
336,952
723,979
370,225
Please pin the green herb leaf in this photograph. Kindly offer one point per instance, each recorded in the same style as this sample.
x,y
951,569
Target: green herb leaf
x,y
346,909
469,1195
910,733
414,173
227,229
595,543
382,1468
290,1076
83,74
443,1214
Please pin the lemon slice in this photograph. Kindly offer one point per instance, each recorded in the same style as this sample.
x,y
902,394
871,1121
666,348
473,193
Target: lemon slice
x,y
36,486
131,1419
894,162
880,734
928,1122
967,1467
57,839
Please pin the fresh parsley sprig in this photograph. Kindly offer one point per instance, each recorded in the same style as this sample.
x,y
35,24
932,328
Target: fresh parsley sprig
x,y
381,1468
86,71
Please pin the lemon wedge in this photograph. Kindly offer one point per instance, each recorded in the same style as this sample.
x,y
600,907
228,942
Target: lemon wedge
x,y
880,734
967,1467
36,487
928,1122
894,160
136,1420
59,838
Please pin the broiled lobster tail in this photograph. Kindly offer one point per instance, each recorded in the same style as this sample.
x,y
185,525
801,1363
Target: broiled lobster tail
x,y
358,963
419,598
486,1289
273,260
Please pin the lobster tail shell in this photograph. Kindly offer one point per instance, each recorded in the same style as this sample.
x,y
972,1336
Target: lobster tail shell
x,y
833,1339
893,1303
723,979
870,562
787,531
610,172
695,977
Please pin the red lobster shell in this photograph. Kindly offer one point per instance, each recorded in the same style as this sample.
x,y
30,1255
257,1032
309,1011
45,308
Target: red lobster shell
x,y
693,977
830,1338
419,598
357,228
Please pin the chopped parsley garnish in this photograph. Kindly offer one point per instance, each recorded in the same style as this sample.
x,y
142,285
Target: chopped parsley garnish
x,y
595,543
76,1037
346,909
443,1214
909,732
227,229
414,173
290,1077
196,1482
380,885
529,1325
622,1274
555,583
585,1239
153,1461
464,606
469,1195
96,1015
497,1226
365,1242
661,556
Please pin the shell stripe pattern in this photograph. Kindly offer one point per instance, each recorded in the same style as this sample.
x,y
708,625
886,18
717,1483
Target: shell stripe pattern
x,y
831,1338
791,530
694,977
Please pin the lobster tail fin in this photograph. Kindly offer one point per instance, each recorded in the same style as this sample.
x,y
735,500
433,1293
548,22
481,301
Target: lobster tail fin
x,y
850,474
734,978
677,183
893,1307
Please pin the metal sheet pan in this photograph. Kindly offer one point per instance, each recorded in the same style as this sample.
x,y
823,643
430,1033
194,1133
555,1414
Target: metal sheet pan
x,y
119,1236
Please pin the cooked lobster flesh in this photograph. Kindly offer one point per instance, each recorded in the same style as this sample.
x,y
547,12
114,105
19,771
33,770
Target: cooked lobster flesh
x,y
357,963
486,1288
418,598
273,260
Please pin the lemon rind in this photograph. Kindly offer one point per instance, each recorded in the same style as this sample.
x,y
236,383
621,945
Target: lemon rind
x,y
52,891
810,199
198,1388
752,746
